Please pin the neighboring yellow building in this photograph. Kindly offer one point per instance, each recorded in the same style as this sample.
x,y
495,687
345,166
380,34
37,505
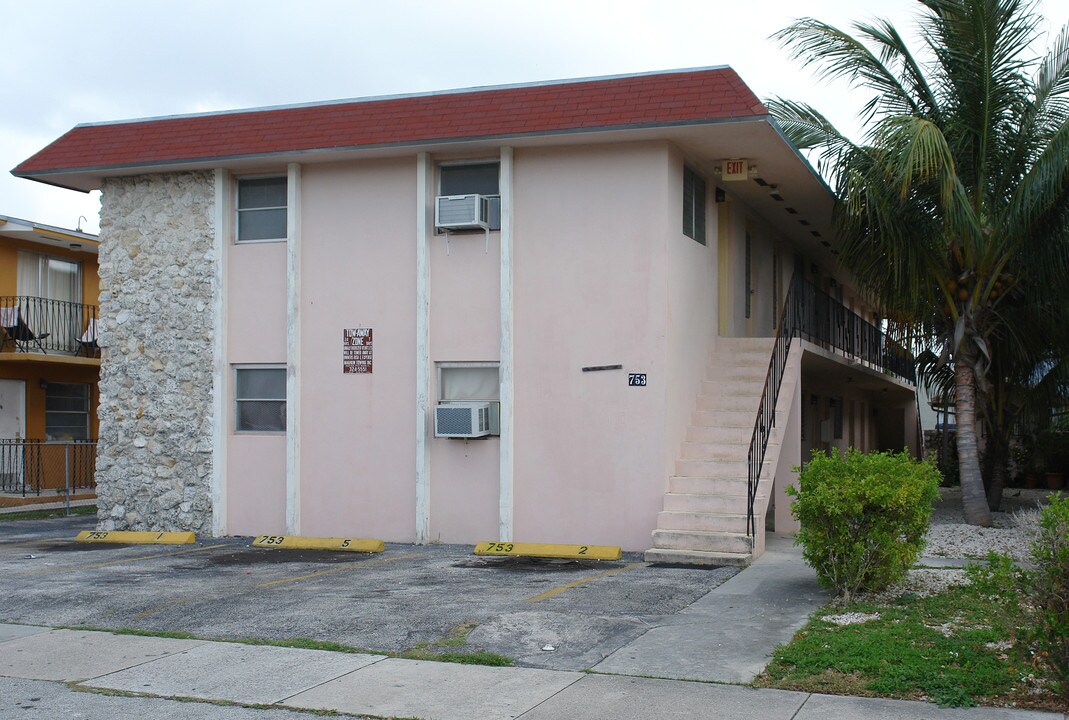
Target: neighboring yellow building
x,y
49,358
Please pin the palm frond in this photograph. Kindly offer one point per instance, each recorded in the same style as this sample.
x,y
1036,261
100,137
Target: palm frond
x,y
1036,216
804,126
841,56
895,52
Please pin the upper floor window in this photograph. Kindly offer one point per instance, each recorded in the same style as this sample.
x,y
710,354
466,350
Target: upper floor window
x,y
262,209
693,205
480,178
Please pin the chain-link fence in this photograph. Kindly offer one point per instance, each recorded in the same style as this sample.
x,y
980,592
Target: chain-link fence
x,y
35,467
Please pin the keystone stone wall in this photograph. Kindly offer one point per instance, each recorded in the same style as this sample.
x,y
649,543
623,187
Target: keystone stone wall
x,y
154,459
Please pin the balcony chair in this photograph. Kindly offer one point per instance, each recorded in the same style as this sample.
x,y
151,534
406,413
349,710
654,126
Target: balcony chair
x,y
17,331
88,340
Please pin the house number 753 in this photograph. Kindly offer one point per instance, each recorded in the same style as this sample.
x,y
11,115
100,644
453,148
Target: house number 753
x,y
636,379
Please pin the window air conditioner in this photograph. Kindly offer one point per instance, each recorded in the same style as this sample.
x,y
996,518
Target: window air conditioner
x,y
462,419
456,212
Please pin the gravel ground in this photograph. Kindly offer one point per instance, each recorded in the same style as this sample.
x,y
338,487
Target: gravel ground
x,y
1012,532
949,537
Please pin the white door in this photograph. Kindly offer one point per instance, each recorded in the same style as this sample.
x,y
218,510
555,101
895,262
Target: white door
x,y
12,409
12,426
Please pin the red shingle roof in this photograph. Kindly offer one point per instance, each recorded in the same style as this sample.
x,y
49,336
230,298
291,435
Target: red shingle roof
x,y
619,102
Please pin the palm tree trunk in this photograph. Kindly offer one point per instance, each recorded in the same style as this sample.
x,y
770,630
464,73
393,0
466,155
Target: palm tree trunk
x,y
996,463
973,498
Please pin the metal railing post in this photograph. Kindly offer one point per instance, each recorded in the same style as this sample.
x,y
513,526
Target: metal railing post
x,y
67,474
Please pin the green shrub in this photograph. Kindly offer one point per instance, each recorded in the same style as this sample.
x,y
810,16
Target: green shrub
x,y
863,517
1049,592
1034,603
1001,582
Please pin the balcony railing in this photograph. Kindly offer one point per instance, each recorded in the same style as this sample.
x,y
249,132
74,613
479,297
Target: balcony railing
x,y
819,318
40,325
32,467
823,320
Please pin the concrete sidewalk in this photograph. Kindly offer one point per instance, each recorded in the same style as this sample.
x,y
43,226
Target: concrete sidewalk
x,y
728,635
388,687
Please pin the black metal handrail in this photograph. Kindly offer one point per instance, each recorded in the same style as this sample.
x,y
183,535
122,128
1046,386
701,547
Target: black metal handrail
x,y
825,321
29,467
36,324
819,318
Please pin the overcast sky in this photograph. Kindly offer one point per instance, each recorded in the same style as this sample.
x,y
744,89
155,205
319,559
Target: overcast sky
x,y
67,62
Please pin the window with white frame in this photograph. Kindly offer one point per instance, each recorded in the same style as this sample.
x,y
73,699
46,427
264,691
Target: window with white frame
x,y
474,178
262,211
260,398
693,205
472,382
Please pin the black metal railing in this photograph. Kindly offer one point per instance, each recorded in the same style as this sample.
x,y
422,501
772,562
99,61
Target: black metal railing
x,y
823,320
40,325
31,467
817,317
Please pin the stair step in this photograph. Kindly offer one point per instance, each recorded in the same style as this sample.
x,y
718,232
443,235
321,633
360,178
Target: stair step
x,y
711,468
719,434
718,361
744,344
703,521
725,418
706,503
714,451
706,541
714,397
751,373
697,557
684,485
734,389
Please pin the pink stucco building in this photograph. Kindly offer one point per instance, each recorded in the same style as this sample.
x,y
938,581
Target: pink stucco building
x,y
289,305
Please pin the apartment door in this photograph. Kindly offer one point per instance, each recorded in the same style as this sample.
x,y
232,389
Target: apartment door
x,y
12,409
749,291
12,426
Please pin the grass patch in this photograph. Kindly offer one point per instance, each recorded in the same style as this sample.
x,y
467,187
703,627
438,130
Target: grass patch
x,y
477,657
47,514
109,692
308,644
171,634
457,638
941,648
423,651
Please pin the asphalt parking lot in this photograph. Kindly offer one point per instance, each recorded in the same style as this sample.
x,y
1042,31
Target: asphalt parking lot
x,y
408,597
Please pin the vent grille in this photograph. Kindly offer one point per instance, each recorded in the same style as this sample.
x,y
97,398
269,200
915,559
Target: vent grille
x,y
462,420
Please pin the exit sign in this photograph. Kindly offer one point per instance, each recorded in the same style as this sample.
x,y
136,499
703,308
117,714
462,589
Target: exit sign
x,y
735,170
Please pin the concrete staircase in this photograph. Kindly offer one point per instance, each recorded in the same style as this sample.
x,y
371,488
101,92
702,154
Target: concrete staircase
x,y
704,516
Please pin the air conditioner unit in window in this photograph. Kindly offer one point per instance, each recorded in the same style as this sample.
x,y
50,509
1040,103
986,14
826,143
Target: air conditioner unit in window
x,y
462,419
458,212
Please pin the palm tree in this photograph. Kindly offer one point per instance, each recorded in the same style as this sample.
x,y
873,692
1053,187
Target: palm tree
x,y
957,201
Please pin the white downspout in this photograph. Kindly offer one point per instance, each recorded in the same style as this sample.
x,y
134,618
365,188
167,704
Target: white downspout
x,y
220,366
293,350
505,501
423,515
